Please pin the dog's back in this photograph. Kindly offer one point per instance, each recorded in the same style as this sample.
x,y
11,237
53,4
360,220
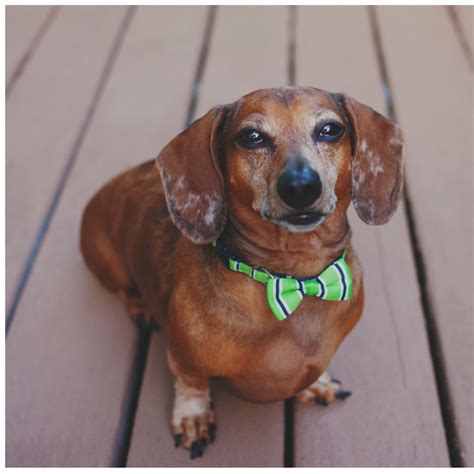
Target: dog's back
x,y
127,215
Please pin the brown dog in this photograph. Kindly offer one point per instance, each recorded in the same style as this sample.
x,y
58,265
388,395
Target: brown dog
x,y
272,176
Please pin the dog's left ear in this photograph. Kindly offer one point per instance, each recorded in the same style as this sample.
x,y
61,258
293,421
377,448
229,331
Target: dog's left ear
x,y
192,180
377,161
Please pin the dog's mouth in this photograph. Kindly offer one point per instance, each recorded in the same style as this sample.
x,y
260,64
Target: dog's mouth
x,y
304,219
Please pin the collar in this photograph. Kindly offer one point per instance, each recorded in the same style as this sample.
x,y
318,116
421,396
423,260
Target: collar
x,y
285,292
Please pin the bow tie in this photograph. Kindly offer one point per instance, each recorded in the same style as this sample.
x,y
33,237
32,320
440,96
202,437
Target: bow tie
x,y
285,293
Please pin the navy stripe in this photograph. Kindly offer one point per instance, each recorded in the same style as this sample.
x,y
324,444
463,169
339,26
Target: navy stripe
x,y
322,287
280,303
300,288
343,279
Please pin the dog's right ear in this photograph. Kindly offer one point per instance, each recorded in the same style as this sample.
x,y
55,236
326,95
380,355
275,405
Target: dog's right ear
x,y
377,161
192,180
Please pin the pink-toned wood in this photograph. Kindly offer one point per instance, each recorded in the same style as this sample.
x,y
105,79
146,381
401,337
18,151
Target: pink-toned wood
x,y
43,116
71,344
21,26
393,417
248,51
248,434
433,99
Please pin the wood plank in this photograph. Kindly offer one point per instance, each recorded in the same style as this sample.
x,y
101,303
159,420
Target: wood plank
x,y
22,25
434,106
43,117
466,14
392,418
240,63
70,347
248,434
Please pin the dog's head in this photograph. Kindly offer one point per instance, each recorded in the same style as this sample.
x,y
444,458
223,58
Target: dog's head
x,y
291,156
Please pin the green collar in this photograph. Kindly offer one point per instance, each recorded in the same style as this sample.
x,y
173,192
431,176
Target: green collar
x,y
285,293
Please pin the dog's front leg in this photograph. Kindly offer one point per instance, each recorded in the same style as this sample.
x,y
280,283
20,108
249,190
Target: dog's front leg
x,y
192,423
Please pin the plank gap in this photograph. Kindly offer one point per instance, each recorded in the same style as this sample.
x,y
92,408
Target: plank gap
x,y
289,438
203,55
460,34
63,179
289,404
292,44
35,42
125,429
437,358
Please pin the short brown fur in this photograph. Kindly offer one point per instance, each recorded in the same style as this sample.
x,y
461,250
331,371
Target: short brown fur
x,y
145,238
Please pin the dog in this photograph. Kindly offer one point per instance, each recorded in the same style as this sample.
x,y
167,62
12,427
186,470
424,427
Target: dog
x,y
252,202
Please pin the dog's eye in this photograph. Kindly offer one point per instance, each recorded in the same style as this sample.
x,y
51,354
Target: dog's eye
x,y
330,132
251,139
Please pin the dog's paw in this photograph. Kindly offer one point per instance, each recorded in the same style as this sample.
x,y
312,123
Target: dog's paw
x,y
193,422
324,391
145,322
139,315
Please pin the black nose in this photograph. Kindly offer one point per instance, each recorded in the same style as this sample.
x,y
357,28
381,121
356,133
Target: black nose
x,y
298,185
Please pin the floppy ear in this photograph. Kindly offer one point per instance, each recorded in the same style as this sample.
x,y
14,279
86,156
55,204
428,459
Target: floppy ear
x,y
192,180
377,162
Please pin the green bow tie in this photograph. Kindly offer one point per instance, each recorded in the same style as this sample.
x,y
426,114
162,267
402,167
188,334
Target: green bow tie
x,y
284,294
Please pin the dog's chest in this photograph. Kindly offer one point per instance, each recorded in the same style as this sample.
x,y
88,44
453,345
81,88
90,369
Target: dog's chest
x,y
297,340
291,355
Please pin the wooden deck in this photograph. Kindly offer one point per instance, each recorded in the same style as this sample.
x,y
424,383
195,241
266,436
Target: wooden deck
x,y
92,91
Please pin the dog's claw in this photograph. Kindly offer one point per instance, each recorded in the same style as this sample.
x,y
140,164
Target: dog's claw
x,y
202,447
196,450
193,450
321,401
323,391
144,323
343,394
178,440
154,326
212,432
140,322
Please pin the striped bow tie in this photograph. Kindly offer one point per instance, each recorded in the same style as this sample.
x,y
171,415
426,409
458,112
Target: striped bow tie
x,y
285,293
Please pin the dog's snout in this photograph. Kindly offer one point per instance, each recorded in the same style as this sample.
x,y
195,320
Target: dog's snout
x,y
298,184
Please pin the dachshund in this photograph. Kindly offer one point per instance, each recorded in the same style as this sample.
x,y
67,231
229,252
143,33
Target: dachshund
x,y
231,239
